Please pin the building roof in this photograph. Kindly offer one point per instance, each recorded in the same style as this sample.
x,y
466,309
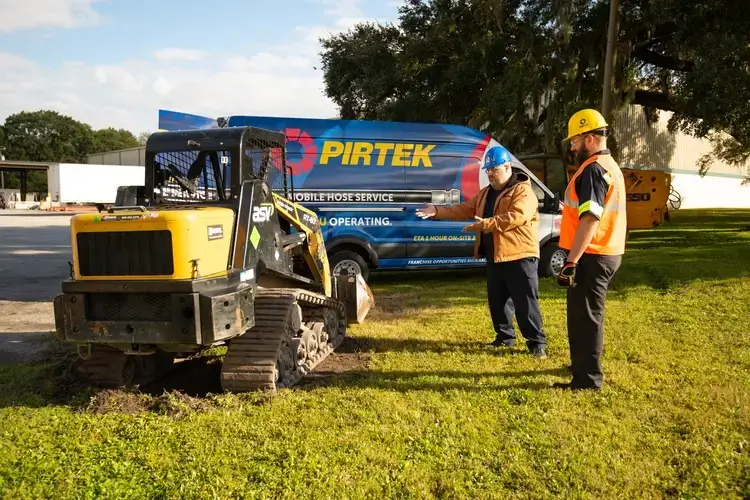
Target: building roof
x,y
25,165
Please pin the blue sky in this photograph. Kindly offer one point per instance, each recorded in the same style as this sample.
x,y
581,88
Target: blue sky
x,y
115,62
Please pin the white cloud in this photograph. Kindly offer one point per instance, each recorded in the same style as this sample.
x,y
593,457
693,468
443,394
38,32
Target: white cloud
x,y
344,23
265,60
26,14
341,8
277,81
129,94
175,54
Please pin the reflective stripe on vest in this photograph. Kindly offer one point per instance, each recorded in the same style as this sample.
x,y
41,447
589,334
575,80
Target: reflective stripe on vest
x,y
610,237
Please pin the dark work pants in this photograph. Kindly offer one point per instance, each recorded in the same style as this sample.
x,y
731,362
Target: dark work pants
x,y
510,284
586,317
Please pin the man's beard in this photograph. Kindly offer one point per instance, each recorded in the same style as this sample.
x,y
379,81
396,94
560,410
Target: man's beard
x,y
581,156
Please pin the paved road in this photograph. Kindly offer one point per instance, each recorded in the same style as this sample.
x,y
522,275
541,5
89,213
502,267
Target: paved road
x,y
34,255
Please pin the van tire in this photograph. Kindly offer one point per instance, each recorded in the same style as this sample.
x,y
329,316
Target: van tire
x,y
551,260
347,260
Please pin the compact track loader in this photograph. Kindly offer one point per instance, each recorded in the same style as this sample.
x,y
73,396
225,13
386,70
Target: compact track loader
x,y
210,251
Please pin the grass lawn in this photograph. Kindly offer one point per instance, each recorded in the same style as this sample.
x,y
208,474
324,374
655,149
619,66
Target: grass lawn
x,y
425,410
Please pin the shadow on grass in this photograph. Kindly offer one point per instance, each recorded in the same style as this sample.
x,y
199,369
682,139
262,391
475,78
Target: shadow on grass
x,y
440,381
415,344
191,384
349,367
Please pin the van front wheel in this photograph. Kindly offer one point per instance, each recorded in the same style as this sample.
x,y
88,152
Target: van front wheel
x,y
552,259
350,263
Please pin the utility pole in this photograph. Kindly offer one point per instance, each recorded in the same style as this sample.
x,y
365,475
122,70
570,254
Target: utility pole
x,y
612,31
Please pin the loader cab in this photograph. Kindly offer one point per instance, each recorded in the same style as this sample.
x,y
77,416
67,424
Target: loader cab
x,y
209,166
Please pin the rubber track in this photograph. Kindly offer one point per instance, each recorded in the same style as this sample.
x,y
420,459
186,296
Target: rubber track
x,y
252,359
104,367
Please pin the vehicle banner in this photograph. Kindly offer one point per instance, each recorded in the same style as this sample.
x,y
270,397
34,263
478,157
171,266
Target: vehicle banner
x,y
356,161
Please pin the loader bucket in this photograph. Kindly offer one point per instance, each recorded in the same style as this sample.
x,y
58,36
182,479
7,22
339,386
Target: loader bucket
x,y
356,296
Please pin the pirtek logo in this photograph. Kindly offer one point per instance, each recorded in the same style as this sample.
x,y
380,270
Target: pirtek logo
x,y
361,153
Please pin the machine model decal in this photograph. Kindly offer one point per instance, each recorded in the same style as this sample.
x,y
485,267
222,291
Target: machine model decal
x,y
284,205
262,212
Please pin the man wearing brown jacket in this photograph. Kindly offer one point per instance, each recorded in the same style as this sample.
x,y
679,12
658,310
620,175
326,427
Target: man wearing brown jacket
x,y
506,220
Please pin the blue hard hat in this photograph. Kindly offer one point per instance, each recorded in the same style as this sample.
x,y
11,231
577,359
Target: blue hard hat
x,y
497,156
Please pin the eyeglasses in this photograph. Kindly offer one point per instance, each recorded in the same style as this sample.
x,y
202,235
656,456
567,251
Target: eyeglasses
x,y
576,140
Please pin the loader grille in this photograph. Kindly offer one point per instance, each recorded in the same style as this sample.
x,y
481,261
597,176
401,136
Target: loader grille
x,y
125,253
128,307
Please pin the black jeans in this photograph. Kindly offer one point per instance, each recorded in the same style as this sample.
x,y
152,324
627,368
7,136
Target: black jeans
x,y
586,317
510,284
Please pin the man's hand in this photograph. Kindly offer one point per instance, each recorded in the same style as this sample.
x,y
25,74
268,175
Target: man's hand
x,y
567,275
476,226
427,211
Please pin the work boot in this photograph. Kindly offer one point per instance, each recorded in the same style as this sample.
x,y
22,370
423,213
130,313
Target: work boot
x,y
571,387
502,343
539,352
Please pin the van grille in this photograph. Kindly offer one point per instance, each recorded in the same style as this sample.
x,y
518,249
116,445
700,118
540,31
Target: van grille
x,y
125,253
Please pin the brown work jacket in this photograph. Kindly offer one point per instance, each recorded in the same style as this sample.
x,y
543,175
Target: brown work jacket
x,y
514,225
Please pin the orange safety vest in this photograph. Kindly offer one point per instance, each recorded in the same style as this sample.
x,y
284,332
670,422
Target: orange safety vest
x,y
610,237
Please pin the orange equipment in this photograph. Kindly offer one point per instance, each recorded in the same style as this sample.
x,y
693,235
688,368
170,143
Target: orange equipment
x,y
647,191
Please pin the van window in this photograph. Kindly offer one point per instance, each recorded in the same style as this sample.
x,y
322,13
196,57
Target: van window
x,y
538,192
537,168
557,178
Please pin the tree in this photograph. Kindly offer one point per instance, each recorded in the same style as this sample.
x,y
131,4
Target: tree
x,y
482,63
143,137
703,57
46,136
520,68
109,139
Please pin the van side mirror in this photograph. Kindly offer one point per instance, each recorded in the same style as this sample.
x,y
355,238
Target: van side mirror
x,y
552,204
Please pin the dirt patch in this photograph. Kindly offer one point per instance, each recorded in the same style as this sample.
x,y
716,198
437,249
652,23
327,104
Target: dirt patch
x,y
348,359
109,401
338,363
394,305
19,317
173,404
190,386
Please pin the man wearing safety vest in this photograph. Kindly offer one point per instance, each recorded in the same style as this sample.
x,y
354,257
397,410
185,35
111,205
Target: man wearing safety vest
x,y
593,230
